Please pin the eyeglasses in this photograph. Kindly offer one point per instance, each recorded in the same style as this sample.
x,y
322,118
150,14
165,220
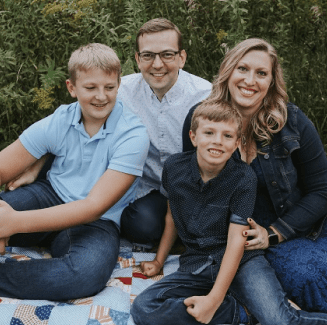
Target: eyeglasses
x,y
166,56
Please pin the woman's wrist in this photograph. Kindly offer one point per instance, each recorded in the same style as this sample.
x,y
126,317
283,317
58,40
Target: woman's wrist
x,y
280,237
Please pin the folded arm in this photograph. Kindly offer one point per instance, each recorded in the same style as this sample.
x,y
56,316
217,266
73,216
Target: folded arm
x,y
14,159
106,192
203,308
28,176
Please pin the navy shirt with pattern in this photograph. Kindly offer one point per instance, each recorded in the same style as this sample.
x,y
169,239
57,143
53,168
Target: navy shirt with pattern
x,y
202,211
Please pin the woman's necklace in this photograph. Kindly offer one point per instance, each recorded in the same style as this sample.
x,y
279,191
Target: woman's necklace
x,y
248,149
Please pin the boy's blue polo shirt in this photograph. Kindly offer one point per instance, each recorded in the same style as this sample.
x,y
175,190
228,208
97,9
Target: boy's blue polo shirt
x,y
121,144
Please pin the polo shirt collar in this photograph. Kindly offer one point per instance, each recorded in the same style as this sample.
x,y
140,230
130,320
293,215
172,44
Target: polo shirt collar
x,y
108,126
173,94
78,114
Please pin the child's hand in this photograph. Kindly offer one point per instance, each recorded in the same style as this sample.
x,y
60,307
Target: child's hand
x,y
3,244
23,179
151,268
7,220
201,308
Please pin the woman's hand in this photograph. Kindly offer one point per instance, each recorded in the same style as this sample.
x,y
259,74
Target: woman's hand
x,y
259,234
151,268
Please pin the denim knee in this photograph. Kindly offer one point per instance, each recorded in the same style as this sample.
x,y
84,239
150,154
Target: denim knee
x,y
137,311
143,221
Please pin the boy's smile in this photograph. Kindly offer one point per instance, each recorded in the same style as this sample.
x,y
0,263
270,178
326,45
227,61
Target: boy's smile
x,y
215,143
96,92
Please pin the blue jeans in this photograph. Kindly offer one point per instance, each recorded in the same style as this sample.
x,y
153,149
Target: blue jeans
x,y
83,257
143,221
255,285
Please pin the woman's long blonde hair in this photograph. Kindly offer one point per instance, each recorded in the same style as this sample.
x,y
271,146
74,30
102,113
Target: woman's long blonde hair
x,y
271,117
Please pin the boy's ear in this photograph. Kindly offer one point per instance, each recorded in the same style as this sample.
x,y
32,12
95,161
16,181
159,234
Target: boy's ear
x,y
192,137
71,88
238,142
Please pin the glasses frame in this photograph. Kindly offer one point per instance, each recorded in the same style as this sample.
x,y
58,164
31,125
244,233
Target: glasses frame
x,y
160,56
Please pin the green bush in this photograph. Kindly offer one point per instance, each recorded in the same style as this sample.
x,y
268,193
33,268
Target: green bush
x,y
38,36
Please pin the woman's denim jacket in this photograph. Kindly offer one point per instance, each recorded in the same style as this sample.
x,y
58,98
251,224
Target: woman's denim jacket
x,y
294,165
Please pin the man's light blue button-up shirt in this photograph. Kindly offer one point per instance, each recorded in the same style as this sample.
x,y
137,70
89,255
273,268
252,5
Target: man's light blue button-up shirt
x,y
163,119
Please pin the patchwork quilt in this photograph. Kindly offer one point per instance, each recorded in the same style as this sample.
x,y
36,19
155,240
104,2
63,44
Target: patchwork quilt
x,y
109,307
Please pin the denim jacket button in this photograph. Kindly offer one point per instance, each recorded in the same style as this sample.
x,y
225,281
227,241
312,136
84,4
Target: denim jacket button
x,y
266,156
274,183
286,151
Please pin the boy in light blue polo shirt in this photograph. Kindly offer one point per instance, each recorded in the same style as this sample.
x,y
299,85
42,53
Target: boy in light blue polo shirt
x,y
99,148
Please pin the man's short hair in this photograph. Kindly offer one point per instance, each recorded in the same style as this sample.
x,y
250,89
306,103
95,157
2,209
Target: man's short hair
x,y
93,55
217,112
158,25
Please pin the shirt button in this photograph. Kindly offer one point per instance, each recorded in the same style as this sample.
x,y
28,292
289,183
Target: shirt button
x,y
274,183
266,156
281,206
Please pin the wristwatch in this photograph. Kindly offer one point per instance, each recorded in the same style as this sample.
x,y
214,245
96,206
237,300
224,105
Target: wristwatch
x,y
272,237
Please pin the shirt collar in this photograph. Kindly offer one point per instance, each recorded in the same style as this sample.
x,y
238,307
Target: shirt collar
x,y
108,126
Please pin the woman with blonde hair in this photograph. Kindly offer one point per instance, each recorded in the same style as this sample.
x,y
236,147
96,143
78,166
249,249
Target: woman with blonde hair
x,y
284,149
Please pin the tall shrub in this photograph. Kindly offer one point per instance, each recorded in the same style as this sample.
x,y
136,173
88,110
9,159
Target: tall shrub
x,y
38,36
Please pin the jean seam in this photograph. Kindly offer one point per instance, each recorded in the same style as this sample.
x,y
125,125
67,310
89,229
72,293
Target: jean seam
x,y
242,303
162,293
70,241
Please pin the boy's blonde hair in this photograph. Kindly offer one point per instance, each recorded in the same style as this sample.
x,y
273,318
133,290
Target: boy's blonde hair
x,y
216,111
93,55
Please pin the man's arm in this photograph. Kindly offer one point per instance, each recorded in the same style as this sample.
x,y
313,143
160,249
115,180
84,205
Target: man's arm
x,y
167,240
106,192
203,308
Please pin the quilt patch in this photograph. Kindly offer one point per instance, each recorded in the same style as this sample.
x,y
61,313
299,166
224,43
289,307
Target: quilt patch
x,y
111,306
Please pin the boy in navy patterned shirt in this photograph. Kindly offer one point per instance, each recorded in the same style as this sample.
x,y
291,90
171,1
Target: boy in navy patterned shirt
x,y
211,196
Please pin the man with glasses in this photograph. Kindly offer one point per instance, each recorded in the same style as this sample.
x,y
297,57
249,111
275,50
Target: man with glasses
x,y
161,95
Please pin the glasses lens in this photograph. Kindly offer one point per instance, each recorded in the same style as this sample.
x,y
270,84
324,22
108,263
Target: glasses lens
x,y
164,56
147,56
167,56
